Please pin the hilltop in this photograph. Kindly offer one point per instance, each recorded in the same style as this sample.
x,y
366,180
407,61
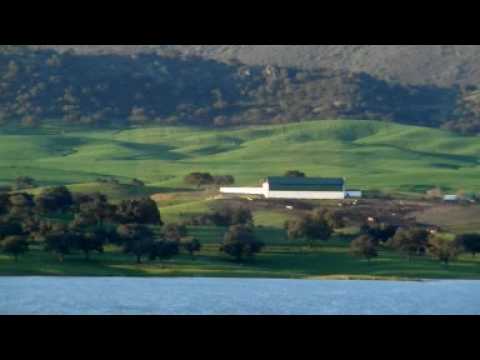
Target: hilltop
x,y
443,65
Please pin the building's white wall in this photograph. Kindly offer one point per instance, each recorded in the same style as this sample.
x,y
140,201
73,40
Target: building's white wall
x,y
243,190
307,195
266,187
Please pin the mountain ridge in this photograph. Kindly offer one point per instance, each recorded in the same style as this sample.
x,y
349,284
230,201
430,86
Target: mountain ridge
x,y
442,65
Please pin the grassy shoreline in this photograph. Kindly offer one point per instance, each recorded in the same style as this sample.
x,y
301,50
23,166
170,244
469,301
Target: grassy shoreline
x,y
327,261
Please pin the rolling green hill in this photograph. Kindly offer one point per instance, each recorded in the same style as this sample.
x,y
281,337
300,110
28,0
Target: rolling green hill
x,y
371,155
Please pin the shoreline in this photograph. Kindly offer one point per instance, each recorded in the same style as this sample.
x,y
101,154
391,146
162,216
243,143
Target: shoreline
x,y
345,278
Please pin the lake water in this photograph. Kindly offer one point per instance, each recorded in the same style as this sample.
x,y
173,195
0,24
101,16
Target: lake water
x,y
198,296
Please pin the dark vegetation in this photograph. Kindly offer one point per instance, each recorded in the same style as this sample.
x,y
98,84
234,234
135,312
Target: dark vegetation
x,y
364,246
223,216
240,242
114,90
64,222
295,173
207,179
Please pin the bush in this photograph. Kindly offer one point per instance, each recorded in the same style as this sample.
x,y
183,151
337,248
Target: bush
x,y
143,211
54,200
15,246
443,249
380,233
191,245
136,239
175,232
411,242
228,216
240,242
469,242
164,250
223,180
295,173
311,227
364,246
199,179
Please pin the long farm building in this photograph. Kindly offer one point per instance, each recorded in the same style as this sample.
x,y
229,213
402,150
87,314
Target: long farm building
x,y
298,188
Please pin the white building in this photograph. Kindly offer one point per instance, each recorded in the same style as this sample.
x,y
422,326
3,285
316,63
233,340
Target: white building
x,y
298,188
450,198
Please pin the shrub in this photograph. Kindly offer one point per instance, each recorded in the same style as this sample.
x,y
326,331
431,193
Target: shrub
x,y
240,242
364,246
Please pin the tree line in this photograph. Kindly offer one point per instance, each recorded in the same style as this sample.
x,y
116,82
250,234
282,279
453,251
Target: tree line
x,y
411,242
65,222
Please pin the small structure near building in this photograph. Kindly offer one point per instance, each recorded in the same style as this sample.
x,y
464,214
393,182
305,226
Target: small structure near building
x,y
450,198
298,188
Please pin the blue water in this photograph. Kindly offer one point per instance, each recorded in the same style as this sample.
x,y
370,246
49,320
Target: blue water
x,y
197,296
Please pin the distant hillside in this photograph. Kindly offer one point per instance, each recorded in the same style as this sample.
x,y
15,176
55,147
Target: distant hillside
x,y
106,90
443,65
412,159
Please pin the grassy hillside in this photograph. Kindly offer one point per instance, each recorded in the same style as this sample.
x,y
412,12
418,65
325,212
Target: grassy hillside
x,y
371,155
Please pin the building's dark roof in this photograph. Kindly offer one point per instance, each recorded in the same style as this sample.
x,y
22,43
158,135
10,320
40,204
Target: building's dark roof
x,y
305,184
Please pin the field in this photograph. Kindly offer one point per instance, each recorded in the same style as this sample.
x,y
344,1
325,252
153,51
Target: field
x,y
399,160
281,259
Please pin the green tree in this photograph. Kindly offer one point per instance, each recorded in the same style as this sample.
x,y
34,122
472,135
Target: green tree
x,y
444,250
90,241
228,216
333,218
137,240
21,206
175,232
469,242
199,179
411,242
309,227
240,242
15,246
224,180
164,250
191,245
4,203
93,209
55,199
143,211
364,246
59,240
379,232
295,173
138,183
10,228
